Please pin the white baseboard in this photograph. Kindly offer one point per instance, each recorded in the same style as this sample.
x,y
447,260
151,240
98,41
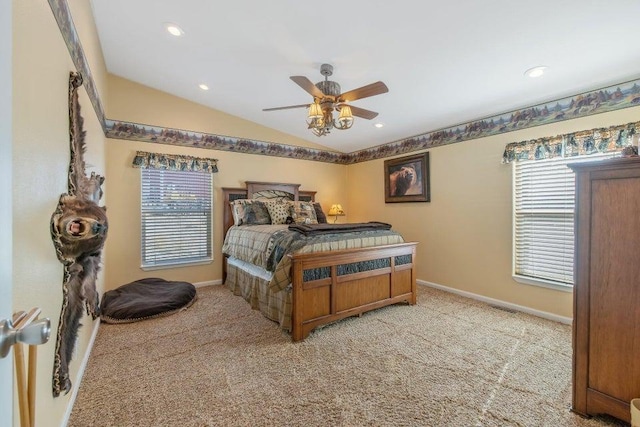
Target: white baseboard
x,y
208,283
499,303
78,379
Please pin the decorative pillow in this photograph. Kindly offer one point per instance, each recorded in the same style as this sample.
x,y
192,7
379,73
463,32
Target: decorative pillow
x,y
278,211
322,218
244,212
303,213
146,299
237,210
255,213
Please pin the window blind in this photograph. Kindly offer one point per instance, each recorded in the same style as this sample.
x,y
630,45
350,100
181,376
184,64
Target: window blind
x,y
544,204
176,217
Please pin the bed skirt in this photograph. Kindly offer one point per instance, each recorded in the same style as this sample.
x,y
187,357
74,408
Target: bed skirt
x,y
252,283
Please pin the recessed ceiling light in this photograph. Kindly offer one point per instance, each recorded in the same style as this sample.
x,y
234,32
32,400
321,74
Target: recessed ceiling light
x,y
203,86
379,125
173,29
535,71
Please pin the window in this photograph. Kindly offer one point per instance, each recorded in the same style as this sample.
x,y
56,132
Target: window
x,y
176,218
543,221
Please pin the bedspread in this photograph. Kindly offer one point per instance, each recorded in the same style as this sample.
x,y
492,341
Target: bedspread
x,y
270,245
252,243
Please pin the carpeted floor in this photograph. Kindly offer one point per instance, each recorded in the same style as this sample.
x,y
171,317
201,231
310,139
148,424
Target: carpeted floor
x,y
448,361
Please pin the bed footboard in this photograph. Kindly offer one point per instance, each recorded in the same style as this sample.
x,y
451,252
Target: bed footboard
x,y
390,279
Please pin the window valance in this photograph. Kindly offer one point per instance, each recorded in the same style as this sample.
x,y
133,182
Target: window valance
x,y
174,162
603,140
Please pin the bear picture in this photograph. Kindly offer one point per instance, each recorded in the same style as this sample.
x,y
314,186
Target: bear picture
x,y
407,179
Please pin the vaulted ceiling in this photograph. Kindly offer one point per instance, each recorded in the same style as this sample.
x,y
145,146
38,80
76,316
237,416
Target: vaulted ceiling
x,y
445,63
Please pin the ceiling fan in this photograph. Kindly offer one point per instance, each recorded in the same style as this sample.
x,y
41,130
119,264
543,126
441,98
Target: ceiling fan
x,y
327,99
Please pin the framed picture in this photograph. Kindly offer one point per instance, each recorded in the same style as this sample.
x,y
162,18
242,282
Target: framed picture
x,y
407,179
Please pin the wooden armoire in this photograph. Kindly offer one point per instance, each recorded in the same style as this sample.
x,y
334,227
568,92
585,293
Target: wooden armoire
x,y
606,319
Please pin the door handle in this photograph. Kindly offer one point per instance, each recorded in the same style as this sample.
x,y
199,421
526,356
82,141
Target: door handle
x,y
36,333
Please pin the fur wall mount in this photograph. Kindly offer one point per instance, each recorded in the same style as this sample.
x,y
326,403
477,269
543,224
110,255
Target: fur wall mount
x,y
79,230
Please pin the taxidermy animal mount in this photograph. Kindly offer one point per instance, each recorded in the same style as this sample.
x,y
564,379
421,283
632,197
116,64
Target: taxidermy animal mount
x,y
79,230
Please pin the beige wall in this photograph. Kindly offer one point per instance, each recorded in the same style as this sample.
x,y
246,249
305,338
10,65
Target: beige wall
x,y
133,102
41,66
465,231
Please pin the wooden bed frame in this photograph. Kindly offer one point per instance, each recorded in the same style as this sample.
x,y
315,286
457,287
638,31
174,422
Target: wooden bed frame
x,y
319,302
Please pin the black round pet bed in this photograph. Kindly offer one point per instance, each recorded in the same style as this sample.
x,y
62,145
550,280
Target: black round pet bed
x,y
146,299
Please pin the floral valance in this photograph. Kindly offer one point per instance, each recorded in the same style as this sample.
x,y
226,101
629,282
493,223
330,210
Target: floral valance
x,y
603,140
174,162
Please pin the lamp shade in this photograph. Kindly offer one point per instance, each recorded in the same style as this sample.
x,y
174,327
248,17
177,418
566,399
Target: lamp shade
x,y
315,112
336,210
345,119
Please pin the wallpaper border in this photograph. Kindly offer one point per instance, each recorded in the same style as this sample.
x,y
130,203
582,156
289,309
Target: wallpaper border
x,y
610,98
188,138
62,14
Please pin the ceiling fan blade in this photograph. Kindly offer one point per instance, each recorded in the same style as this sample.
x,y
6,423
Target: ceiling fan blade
x,y
364,92
361,112
286,108
308,85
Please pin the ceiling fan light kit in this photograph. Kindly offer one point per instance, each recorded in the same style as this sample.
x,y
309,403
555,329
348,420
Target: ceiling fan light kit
x,y
327,98
345,119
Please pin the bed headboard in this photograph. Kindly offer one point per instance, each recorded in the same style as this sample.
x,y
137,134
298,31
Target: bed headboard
x,y
256,189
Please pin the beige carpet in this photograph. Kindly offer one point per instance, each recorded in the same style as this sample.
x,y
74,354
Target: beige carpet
x,y
448,361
